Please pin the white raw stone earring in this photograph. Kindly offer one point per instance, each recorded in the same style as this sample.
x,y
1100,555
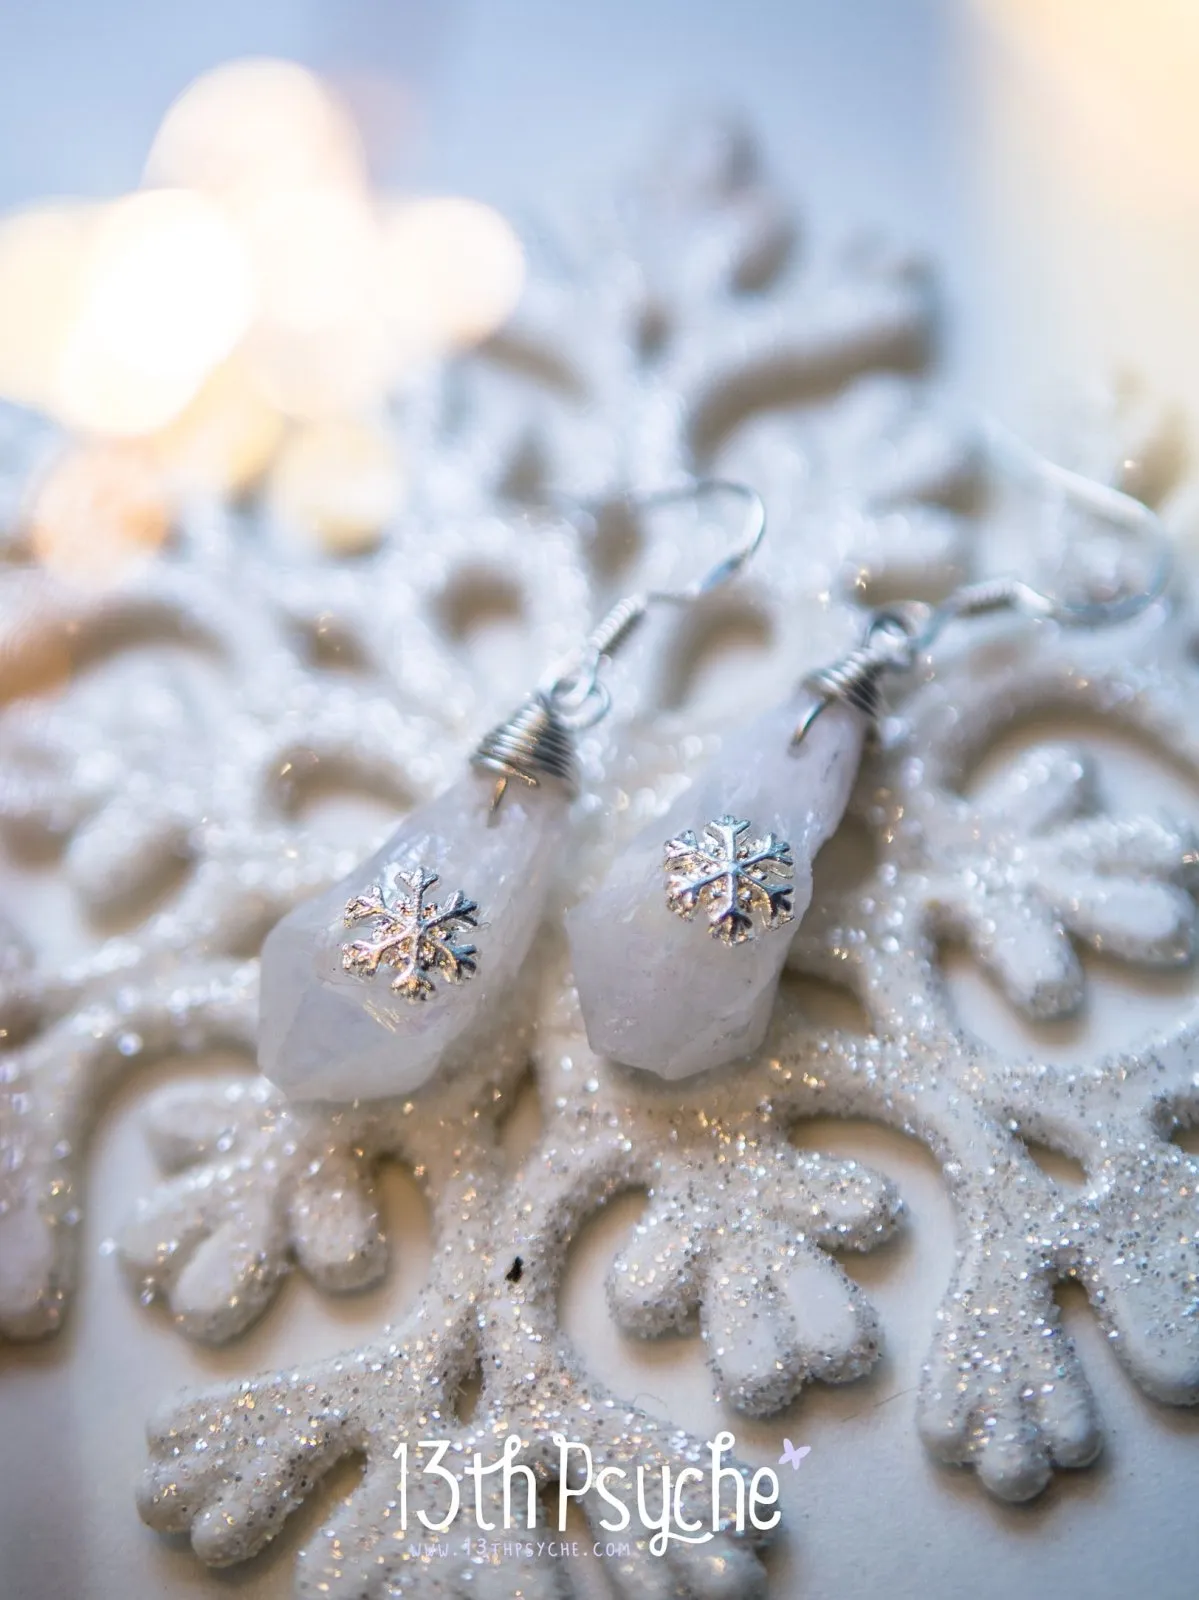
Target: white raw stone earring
x,y
678,953
366,988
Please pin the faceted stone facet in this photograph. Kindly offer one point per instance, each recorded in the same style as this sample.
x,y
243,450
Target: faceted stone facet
x,y
328,1033
659,991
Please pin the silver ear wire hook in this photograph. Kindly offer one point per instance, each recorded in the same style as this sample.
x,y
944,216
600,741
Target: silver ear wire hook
x,y
897,634
535,741
700,489
580,696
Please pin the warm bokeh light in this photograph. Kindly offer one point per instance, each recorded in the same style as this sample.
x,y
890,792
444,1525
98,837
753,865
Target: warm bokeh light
x,y
315,251
1123,77
225,439
166,295
1086,189
337,484
454,270
320,341
242,320
255,125
98,507
41,259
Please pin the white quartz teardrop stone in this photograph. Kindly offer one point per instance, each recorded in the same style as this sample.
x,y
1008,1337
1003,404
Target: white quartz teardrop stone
x,y
662,993
331,1034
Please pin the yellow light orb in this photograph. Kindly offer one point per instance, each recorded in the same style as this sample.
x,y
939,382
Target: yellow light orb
x,y
321,345
41,267
255,124
225,439
453,272
166,293
316,254
98,507
337,484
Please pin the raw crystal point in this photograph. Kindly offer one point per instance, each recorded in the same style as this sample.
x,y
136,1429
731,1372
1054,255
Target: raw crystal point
x,y
662,993
331,1034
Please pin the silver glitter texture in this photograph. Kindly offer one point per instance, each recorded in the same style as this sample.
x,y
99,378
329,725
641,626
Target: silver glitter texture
x,y
671,332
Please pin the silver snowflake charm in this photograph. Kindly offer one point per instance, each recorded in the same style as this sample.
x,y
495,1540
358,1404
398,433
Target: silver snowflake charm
x,y
730,878
410,934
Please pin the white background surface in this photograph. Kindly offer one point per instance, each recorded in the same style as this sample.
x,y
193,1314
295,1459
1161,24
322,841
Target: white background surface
x,y
860,103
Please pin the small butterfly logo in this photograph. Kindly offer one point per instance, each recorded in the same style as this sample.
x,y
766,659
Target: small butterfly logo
x,y
793,1454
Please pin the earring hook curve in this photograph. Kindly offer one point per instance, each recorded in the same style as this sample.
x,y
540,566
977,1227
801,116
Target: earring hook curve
x,y
579,698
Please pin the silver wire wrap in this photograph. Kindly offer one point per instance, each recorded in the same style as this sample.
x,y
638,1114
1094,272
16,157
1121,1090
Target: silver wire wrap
x,y
856,679
536,742
533,743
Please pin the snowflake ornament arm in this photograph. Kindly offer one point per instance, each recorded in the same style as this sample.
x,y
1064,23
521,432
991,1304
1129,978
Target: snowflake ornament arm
x,y
228,1466
214,1240
50,1095
740,1226
1020,873
1004,1389
1056,874
758,1299
257,1186
287,1429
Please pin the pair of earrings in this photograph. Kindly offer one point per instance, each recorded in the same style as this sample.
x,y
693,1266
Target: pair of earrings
x,y
678,953
368,987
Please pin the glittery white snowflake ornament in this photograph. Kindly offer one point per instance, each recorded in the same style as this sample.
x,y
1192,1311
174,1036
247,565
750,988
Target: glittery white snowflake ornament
x,y
680,338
